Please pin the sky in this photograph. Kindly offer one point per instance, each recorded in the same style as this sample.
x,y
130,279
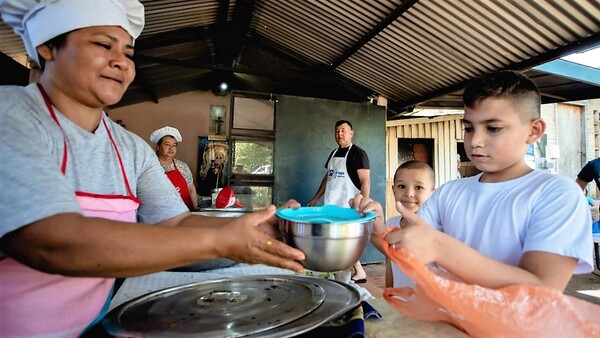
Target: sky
x,y
590,58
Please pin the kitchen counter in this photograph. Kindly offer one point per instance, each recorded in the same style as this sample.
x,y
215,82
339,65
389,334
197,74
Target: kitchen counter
x,y
393,323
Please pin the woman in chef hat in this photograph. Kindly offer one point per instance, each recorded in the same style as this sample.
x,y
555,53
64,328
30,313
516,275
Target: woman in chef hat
x,y
166,140
77,182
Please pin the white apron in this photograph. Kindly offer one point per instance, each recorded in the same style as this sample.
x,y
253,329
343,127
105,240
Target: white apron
x,y
38,304
339,188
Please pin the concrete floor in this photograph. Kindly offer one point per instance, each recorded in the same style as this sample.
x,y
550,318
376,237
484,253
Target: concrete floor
x,y
585,287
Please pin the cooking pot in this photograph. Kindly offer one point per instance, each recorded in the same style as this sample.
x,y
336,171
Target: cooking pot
x,y
332,238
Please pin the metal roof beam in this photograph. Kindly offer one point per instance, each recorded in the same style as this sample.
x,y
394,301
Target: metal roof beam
x,y
406,5
146,86
223,11
227,39
274,76
170,38
571,70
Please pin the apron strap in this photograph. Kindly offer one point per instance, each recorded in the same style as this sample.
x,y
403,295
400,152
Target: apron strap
x,y
63,166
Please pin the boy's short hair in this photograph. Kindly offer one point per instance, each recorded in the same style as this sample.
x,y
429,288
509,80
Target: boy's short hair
x,y
340,122
417,165
506,84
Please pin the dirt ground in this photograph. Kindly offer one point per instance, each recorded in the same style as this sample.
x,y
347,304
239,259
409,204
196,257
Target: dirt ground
x,y
586,287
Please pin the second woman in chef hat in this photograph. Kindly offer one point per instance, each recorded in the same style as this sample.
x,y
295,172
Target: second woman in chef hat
x,y
167,139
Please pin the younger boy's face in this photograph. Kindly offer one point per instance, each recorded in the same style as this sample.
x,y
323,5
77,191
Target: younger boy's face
x,y
496,138
412,187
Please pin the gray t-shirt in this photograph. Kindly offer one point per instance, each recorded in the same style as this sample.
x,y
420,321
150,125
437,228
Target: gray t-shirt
x,y
33,186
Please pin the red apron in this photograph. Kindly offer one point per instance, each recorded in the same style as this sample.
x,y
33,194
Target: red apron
x,y
35,303
181,185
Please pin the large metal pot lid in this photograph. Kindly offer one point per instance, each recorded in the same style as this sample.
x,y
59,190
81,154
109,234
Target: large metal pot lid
x,y
230,307
340,298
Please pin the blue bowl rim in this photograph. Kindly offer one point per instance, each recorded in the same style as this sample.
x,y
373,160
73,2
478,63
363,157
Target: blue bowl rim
x,y
324,214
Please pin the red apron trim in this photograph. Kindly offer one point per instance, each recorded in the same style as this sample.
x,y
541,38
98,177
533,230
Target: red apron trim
x,y
89,194
63,166
176,177
119,158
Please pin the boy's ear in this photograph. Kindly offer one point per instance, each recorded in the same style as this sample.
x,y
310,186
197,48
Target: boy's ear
x,y
537,128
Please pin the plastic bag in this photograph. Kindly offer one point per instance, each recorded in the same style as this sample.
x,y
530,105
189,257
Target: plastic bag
x,y
512,311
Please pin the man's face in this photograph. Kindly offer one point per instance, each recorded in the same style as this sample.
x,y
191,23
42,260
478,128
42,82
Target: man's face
x,y
343,135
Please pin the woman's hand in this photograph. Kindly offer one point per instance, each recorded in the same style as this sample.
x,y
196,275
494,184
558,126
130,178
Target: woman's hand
x,y
244,240
271,227
415,235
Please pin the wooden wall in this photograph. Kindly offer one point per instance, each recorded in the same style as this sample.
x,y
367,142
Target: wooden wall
x,y
445,131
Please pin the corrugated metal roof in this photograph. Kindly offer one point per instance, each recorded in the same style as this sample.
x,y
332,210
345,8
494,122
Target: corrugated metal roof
x,y
439,43
408,51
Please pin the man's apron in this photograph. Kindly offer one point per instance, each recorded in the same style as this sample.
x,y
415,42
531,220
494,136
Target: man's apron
x,y
339,188
181,185
39,304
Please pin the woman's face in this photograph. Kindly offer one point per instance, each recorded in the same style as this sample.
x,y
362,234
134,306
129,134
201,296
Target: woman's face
x,y
167,147
94,67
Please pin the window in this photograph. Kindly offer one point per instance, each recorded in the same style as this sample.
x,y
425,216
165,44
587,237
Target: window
x,y
252,139
254,114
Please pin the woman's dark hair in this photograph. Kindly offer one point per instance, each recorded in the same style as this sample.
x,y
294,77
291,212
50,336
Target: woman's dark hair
x,y
56,42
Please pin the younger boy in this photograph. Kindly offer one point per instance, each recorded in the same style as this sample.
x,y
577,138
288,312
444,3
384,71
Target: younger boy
x,y
509,224
414,182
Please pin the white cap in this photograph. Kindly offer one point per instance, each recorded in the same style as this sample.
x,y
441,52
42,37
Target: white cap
x,y
38,21
165,131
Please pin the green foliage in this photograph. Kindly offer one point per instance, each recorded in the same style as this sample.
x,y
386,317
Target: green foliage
x,y
252,155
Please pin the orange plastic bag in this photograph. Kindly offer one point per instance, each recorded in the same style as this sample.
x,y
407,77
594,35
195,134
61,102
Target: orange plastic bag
x,y
512,311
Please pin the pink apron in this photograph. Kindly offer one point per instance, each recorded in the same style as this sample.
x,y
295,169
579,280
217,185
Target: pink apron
x,y
38,304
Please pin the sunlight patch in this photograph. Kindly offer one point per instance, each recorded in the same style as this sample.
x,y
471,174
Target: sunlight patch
x,y
593,293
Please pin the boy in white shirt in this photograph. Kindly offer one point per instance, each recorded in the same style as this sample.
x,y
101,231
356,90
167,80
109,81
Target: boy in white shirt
x,y
509,224
414,182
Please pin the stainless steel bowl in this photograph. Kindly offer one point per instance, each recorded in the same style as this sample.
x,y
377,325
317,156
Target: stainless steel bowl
x,y
329,247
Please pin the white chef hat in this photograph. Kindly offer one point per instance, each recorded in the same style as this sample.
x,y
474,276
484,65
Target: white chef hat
x,y
37,21
165,131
